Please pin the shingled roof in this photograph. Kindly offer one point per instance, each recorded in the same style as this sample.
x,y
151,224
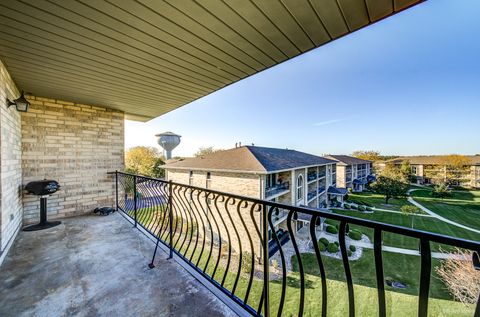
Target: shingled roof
x,y
431,159
347,160
250,159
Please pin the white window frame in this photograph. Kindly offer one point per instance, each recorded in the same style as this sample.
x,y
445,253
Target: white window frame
x,y
300,187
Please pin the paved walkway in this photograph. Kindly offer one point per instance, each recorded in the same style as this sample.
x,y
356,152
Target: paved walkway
x,y
428,211
437,255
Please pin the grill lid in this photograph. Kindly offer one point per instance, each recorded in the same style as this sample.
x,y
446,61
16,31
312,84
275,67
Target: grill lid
x,y
44,187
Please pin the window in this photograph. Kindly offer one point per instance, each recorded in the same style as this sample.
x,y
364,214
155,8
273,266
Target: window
x,y
190,180
300,187
414,170
270,181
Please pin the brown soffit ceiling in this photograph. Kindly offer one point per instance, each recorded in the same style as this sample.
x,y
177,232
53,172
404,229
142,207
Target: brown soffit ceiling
x,y
148,57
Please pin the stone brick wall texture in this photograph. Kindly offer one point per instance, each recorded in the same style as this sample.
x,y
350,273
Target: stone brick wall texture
x,y
75,145
10,162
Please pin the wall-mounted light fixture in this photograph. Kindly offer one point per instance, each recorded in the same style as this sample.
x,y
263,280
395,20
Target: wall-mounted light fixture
x,y
20,103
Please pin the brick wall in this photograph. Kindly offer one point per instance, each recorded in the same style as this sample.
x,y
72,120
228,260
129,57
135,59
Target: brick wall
x,y
236,183
10,165
76,145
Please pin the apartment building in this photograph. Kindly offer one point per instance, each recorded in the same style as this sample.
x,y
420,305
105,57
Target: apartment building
x,y
438,169
352,172
279,175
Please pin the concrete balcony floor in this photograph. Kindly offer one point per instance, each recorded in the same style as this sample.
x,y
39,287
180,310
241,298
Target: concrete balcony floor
x,y
97,266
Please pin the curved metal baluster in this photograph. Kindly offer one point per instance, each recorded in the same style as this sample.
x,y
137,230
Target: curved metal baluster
x,y
282,256
300,264
240,259
192,203
163,210
184,211
348,275
179,212
377,249
233,202
215,203
227,202
318,255
252,259
209,209
164,232
203,226
205,213
189,212
425,271
257,229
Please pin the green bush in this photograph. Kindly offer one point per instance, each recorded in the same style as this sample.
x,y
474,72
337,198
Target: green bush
x,y
355,235
332,230
321,247
346,206
332,248
349,253
369,208
352,248
354,207
361,208
323,241
337,244
331,222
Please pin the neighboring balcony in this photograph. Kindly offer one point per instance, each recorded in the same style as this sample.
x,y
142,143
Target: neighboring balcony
x,y
277,190
312,176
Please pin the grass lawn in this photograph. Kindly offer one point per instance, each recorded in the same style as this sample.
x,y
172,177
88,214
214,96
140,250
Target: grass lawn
x,y
421,223
463,207
377,201
402,268
399,267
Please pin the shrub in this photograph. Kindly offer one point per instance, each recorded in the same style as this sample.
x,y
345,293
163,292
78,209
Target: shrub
x,y
355,235
346,206
332,230
361,208
332,248
322,247
352,248
324,241
349,253
337,244
354,207
330,222
369,208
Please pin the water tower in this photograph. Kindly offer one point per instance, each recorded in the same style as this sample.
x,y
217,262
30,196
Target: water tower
x,y
168,141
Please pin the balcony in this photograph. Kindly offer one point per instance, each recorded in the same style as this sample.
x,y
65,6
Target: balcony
x,y
277,190
311,176
98,265
311,195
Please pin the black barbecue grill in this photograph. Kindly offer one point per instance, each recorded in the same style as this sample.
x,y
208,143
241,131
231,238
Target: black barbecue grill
x,y
43,189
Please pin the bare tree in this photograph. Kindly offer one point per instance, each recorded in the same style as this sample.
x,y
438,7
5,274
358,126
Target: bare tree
x,y
461,277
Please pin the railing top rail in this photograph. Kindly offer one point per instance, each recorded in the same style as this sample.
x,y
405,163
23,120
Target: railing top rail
x,y
414,233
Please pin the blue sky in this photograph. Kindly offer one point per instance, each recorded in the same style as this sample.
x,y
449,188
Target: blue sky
x,y
407,85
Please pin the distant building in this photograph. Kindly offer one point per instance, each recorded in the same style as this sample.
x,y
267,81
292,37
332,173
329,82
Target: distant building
x,y
434,170
280,175
352,172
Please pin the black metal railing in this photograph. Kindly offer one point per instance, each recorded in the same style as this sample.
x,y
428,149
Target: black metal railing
x,y
225,238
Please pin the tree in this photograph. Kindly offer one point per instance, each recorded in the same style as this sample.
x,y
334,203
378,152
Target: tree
x,y
367,155
144,160
203,151
441,191
456,167
409,210
406,170
461,277
390,183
